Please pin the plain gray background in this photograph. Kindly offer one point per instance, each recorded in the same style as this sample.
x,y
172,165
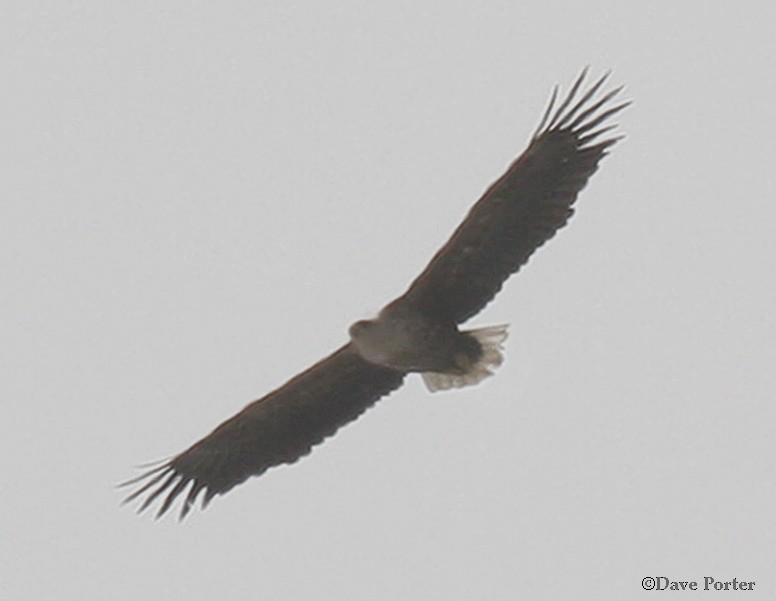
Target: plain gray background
x,y
199,198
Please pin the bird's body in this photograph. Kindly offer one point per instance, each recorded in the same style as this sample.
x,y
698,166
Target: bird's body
x,y
419,331
408,341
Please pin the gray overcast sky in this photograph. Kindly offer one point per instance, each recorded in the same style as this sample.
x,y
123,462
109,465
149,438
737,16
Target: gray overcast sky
x,y
199,198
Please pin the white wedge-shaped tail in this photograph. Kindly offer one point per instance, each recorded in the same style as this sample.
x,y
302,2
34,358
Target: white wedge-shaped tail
x,y
491,339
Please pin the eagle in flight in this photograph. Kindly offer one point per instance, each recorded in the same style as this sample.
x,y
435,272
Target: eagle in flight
x,y
419,331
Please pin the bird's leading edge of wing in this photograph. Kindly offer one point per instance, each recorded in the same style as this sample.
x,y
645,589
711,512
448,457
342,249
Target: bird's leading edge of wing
x,y
279,428
521,210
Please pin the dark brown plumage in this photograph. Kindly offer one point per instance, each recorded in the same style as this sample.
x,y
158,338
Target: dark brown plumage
x,y
280,428
519,212
516,215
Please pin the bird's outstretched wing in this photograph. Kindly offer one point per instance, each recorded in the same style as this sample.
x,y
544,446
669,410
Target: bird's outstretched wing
x,y
279,428
521,210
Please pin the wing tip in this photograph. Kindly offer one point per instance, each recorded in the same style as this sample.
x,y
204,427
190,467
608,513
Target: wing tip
x,y
586,114
164,481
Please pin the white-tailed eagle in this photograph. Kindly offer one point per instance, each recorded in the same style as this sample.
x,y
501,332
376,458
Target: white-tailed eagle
x,y
419,331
